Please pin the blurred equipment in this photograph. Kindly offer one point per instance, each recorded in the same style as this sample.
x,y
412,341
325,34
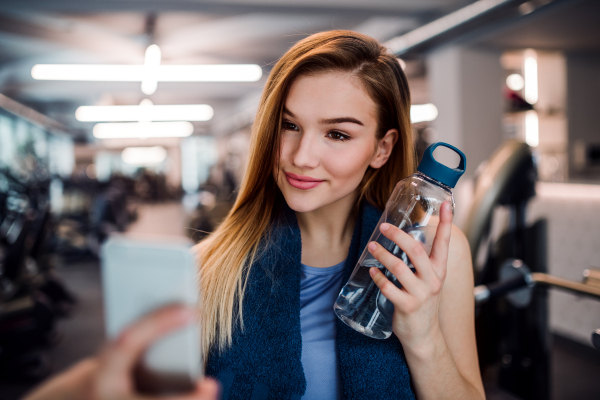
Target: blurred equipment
x,y
31,295
511,278
517,282
93,210
596,339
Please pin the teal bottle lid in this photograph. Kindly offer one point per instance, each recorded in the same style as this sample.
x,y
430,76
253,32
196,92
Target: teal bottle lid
x,y
438,171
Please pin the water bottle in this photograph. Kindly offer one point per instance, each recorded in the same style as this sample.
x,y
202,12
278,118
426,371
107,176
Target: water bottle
x,y
414,207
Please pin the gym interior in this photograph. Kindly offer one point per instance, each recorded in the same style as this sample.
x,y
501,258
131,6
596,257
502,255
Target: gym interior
x,y
98,138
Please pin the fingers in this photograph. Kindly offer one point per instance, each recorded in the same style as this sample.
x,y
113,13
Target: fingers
x,y
71,384
413,249
121,356
405,276
131,343
441,243
387,288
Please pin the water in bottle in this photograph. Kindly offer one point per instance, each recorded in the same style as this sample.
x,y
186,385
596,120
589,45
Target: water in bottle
x,y
414,207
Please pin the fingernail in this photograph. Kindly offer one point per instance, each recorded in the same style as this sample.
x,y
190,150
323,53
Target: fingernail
x,y
372,246
372,271
384,226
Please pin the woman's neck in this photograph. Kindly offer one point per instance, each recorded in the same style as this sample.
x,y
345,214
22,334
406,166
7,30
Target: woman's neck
x,y
327,232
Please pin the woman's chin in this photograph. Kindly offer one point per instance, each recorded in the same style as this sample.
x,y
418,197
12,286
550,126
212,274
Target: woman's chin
x,y
311,201
301,205
304,204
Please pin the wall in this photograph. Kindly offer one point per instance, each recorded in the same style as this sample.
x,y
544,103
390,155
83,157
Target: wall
x,y
466,87
573,246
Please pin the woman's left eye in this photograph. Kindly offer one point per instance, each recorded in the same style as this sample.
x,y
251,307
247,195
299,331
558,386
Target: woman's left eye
x,y
338,136
288,126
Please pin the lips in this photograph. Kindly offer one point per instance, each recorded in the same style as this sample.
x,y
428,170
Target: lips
x,y
302,182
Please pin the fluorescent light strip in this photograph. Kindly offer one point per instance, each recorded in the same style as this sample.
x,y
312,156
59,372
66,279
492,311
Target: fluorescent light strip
x,y
136,73
184,112
144,155
210,73
142,130
530,70
532,129
151,64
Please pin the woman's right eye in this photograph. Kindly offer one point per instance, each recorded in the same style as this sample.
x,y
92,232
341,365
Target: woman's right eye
x,y
288,126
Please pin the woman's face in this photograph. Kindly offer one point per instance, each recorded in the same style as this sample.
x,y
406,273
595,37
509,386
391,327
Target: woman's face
x,y
328,140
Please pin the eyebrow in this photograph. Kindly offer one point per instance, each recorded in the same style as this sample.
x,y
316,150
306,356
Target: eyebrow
x,y
340,120
329,121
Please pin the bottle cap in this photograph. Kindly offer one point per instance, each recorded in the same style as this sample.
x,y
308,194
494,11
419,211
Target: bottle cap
x,y
438,171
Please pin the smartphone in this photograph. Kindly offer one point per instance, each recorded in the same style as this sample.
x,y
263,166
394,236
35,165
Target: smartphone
x,y
139,275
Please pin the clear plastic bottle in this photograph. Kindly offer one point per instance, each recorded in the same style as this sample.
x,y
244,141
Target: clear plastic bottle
x,y
414,207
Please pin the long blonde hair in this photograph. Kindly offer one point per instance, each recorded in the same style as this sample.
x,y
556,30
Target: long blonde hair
x,y
228,253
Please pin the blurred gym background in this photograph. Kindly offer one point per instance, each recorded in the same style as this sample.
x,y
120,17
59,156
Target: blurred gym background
x,y
134,116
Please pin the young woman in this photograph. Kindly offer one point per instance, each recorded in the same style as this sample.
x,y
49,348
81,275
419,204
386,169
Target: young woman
x,y
331,138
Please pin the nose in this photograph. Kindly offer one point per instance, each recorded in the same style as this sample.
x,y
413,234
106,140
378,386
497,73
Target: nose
x,y
305,153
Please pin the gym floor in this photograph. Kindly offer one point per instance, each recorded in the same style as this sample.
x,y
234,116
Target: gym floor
x,y
575,366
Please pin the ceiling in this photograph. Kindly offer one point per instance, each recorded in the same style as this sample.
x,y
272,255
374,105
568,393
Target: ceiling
x,y
567,25
231,31
188,32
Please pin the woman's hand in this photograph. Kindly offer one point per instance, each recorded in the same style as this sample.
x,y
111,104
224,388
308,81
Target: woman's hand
x,y
110,375
438,337
416,305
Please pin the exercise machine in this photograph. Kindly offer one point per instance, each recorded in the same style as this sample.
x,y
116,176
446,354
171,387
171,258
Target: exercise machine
x,y
511,275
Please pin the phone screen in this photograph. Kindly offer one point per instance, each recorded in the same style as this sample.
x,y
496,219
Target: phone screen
x,y
139,275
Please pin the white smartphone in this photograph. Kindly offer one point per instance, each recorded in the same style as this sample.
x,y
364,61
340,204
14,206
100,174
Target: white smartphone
x,y
139,275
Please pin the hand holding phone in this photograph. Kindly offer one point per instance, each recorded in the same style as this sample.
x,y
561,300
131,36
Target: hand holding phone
x,y
140,275
109,376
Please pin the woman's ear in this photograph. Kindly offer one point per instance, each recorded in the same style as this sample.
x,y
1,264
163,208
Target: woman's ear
x,y
384,148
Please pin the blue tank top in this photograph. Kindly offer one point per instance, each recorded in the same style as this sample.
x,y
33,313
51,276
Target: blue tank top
x,y
319,288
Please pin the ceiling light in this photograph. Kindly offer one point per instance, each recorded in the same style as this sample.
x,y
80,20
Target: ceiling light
x,y
530,71
532,130
135,73
515,82
210,73
145,108
144,155
423,113
142,130
151,64
143,112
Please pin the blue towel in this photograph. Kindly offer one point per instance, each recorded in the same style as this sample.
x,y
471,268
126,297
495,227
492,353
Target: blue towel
x,y
264,361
